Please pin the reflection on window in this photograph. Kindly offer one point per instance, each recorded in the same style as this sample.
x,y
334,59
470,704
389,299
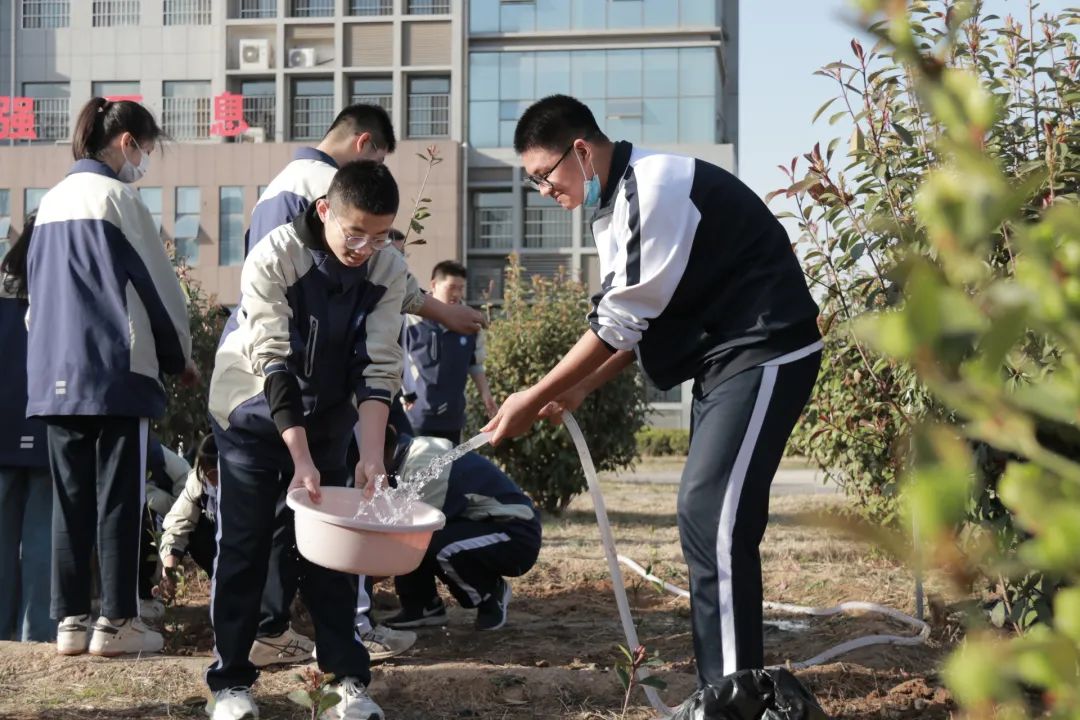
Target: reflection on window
x,y
32,198
231,225
151,197
663,95
186,228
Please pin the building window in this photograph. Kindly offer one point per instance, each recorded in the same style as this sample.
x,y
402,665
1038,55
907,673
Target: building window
x,y
651,96
5,222
312,108
260,105
111,89
655,395
151,197
371,7
492,221
429,7
312,8
187,12
112,13
547,224
51,114
32,198
186,228
429,107
185,109
486,280
45,14
255,9
374,91
231,225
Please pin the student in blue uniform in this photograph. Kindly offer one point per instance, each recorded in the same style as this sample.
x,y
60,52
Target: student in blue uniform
x,y
359,132
107,318
699,282
439,361
492,532
311,349
25,484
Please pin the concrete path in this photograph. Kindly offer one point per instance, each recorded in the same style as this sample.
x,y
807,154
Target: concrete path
x,y
788,480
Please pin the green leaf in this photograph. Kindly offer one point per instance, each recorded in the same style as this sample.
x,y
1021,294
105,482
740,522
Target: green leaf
x,y
653,681
905,136
301,698
328,701
624,676
822,109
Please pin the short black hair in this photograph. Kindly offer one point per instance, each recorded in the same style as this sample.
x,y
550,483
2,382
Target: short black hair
x,y
365,185
448,268
365,118
555,122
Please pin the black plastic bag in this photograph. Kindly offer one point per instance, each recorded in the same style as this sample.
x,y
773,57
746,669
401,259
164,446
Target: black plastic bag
x,y
753,695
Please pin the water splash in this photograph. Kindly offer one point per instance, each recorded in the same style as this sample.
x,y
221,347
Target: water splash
x,y
392,505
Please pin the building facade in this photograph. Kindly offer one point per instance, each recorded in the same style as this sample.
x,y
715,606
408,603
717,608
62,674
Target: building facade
x,y
452,73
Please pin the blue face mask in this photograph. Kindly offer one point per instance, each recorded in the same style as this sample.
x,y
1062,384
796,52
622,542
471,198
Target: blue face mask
x,y
591,195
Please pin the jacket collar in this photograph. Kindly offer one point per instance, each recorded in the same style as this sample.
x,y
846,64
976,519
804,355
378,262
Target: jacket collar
x,y
92,165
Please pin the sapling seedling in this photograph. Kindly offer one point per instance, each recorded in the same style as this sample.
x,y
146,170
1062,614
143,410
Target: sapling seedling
x,y
627,671
314,696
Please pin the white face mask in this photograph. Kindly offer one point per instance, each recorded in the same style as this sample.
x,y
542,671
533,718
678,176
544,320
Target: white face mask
x,y
133,173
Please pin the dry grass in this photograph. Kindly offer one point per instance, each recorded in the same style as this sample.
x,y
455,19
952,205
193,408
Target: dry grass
x,y
555,658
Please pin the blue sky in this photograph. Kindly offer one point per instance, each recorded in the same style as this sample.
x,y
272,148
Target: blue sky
x,y
782,43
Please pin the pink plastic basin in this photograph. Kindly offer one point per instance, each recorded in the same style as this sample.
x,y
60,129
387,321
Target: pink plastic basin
x,y
331,533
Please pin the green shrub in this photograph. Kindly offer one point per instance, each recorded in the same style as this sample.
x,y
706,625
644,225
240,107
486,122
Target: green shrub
x,y
659,442
185,419
989,319
540,320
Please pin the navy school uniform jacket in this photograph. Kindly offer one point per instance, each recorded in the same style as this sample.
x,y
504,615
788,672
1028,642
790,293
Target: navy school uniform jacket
x,y
107,313
22,441
303,181
699,277
471,488
334,328
437,366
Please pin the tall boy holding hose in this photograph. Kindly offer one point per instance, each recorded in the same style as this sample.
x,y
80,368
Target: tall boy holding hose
x,y
699,282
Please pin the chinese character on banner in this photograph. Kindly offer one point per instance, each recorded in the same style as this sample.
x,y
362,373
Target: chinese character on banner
x,y
228,115
17,118
119,98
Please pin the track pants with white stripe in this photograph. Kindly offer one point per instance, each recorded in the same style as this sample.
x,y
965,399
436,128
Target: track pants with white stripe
x,y
470,556
98,464
247,508
738,434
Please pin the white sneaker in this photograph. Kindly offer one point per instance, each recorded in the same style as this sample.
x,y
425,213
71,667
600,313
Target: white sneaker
x,y
119,637
384,642
151,610
232,704
73,635
288,647
355,703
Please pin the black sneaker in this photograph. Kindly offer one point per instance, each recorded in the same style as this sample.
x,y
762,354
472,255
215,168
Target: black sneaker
x,y
432,615
491,612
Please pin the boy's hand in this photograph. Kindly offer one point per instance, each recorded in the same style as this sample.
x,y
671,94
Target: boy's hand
x,y
491,406
366,474
306,475
190,376
569,401
463,319
515,417
165,590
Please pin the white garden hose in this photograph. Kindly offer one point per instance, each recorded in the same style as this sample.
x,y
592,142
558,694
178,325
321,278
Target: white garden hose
x,y
613,560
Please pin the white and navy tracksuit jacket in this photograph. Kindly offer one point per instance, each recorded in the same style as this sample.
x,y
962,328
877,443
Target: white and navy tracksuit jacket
x,y
700,280
329,326
438,362
107,313
492,528
303,181
22,440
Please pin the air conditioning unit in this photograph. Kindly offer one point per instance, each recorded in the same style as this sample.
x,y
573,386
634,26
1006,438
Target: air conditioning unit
x,y
302,57
253,135
255,54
